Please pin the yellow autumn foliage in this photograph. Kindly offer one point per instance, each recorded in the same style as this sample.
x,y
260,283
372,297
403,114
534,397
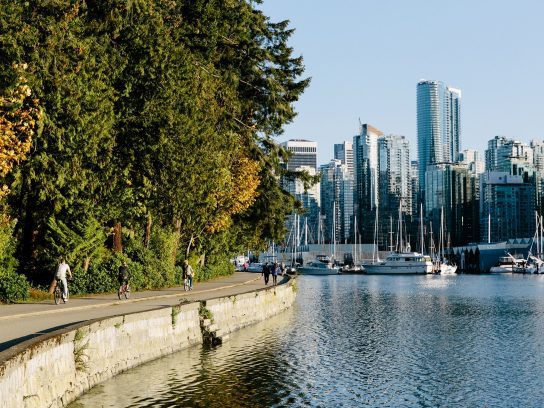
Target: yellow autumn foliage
x,y
240,194
19,117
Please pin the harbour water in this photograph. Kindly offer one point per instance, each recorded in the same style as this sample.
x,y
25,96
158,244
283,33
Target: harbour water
x,y
356,340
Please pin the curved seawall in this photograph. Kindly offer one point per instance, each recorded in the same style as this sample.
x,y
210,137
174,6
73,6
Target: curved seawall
x,y
54,369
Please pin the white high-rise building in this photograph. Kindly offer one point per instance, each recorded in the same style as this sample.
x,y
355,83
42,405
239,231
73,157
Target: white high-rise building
x,y
473,160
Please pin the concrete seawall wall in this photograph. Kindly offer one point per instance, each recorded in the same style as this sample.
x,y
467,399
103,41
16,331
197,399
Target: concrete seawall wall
x,y
54,369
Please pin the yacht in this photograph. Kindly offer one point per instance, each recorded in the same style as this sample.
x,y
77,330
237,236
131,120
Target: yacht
x,y
322,265
507,264
401,263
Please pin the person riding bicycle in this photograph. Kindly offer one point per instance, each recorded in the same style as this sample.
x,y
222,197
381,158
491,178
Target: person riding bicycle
x,y
63,271
188,273
124,274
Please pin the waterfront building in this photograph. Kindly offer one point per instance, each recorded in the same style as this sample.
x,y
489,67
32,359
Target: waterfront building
x,y
438,125
303,153
310,200
303,158
336,201
473,160
507,205
492,152
538,155
344,153
394,175
414,182
365,161
454,189
515,158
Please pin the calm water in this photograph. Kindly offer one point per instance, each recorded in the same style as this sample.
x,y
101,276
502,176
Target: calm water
x,y
385,341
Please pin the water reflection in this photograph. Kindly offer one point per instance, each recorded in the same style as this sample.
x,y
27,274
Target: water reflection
x,y
364,340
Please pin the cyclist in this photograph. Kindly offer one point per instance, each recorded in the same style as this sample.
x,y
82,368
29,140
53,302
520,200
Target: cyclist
x,y
188,273
124,275
63,271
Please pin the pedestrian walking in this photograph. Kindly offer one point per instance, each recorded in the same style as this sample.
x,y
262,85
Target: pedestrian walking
x,y
266,272
189,273
276,270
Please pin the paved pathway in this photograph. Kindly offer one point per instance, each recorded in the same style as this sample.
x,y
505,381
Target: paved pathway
x,y
26,320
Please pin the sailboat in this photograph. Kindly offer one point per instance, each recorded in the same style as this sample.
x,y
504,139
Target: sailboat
x,y
323,264
399,262
533,264
354,268
444,268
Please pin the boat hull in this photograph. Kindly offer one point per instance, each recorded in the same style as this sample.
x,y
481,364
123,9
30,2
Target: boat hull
x,y
448,270
308,270
397,269
500,269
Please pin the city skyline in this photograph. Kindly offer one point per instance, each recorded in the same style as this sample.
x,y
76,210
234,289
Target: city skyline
x,y
372,73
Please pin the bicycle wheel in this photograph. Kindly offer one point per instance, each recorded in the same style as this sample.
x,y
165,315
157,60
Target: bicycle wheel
x,y
127,291
57,295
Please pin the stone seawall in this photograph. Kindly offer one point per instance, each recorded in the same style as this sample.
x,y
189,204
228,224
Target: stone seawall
x,y
54,369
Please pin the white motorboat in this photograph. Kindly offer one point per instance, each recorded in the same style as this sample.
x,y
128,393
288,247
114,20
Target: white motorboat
x,y
446,269
322,265
401,263
507,264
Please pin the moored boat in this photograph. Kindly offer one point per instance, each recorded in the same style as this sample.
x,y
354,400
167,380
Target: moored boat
x,y
322,265
403,263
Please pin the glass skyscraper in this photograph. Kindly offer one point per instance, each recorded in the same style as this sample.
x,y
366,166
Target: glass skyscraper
x,y
438,125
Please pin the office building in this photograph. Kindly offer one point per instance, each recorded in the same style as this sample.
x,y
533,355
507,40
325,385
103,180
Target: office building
x,y
453,189
344,153
365,161
303,153
507,206
492,152
394,175
336,201
473,160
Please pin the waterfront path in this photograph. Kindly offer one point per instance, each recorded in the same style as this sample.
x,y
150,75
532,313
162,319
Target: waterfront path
x,y
23,321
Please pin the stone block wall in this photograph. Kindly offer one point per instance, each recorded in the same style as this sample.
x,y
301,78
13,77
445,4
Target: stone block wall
x,y
54,369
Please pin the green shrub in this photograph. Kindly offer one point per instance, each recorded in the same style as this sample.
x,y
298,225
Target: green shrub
x,y
211,271
13,287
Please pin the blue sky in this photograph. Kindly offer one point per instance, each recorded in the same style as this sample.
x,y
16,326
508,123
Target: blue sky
x,y
366,57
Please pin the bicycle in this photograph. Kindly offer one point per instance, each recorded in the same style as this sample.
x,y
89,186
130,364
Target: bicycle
x,y
57,293
124,290
186,284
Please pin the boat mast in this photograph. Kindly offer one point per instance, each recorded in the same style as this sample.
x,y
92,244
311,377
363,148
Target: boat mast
x,y
334,230
421,229
355,240
375,249
390,233
401,248
489,228
305,231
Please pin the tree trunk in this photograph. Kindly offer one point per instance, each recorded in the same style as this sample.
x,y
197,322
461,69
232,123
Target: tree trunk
x,y
86,263
188,250
148,225
177,232
117,238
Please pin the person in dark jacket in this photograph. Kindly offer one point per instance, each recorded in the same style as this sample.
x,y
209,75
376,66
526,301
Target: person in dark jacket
x,y
266,273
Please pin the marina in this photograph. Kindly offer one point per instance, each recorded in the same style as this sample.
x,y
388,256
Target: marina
x,y
396,341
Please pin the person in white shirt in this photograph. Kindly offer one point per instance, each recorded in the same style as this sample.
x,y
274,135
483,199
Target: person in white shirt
x,y
63,271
